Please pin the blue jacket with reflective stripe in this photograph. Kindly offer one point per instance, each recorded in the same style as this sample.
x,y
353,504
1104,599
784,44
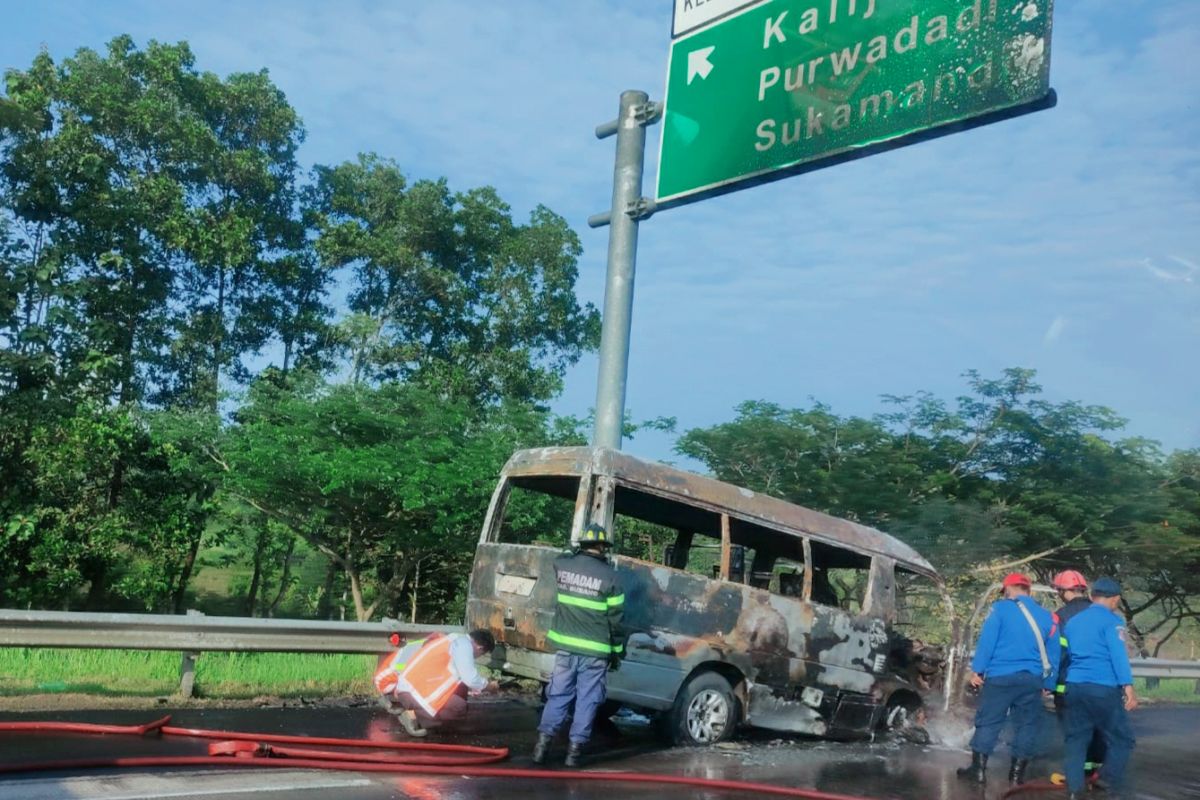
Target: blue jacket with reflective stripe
x,y
1062,617
1007,646
589,609
1096,640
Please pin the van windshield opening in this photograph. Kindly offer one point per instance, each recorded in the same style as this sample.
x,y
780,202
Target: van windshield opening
x,y
920,608
539,510
922,633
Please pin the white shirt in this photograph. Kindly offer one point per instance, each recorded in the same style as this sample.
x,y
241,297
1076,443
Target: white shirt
x,y
462,659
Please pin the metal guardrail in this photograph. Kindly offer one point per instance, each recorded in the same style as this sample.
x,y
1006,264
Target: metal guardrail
x,y
1165,668
196,632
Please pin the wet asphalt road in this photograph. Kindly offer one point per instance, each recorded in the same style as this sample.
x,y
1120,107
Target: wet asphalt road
x,y
1166,764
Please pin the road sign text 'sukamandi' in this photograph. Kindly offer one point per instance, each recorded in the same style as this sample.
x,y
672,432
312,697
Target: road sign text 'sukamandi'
x,y
785,83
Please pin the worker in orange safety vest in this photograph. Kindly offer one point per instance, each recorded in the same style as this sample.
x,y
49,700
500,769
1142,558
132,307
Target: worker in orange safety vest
x,y
426,683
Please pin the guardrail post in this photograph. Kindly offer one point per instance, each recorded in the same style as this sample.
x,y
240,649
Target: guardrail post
x,y
187,666
1152,683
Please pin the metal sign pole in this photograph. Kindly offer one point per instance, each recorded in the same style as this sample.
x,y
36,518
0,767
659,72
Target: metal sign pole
x,y
628,209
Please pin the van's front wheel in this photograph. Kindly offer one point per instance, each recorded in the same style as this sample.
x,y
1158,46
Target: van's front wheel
x,y
705,712
905,717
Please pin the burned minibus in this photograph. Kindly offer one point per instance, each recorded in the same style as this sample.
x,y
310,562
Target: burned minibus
x,y
741,609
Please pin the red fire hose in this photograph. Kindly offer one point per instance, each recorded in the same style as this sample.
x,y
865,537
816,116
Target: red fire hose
x,y
252,750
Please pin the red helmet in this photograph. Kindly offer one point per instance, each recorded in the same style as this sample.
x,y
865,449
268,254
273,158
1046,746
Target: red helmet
x,y
1069,579
1016,579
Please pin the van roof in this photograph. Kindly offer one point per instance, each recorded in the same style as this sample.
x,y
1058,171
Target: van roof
x,y
717,495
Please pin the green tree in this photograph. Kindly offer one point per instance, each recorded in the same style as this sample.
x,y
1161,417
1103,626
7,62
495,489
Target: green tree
x,y
269,548
161,219
449,290
172,493
73,533
298,308
851,467
243,239
1001,478
41,361
75,537
1162,564
150,238
102,174
378,479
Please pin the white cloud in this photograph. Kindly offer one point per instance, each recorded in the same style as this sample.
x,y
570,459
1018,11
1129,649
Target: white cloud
x,y
1055,330
1191,267
1169,275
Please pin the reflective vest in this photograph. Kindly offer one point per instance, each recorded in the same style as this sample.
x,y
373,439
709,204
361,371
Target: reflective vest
x,y
390,668
430,677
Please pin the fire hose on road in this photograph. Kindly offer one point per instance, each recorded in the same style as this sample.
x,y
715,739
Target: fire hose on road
x,y
257,750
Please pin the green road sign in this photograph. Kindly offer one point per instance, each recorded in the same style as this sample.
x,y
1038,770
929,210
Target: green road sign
x,y
784,86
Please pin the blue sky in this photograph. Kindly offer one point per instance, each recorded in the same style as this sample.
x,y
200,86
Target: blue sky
x,y
1067,241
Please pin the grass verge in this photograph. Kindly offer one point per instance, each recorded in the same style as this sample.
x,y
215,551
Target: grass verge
x,y
1169,690
136,673
139,673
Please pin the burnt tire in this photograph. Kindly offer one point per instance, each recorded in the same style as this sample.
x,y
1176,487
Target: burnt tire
x,y
905,719
706,712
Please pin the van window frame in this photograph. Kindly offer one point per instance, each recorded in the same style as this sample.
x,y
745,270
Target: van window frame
x,y
596,501
610,514
876,600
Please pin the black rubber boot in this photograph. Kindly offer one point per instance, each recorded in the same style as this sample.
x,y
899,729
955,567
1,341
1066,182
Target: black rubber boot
x,y
542,748
1016,772
574,755
977,771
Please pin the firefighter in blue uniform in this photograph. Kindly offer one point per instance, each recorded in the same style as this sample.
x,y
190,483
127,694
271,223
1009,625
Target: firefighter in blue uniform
x,y
1013,666
1099,689
1072,589
588,635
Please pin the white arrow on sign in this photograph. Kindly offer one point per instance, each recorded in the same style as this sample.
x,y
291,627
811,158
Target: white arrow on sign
x,y
698,63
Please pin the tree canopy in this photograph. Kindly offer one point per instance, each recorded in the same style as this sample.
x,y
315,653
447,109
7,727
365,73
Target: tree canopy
x,y
175,383
999,475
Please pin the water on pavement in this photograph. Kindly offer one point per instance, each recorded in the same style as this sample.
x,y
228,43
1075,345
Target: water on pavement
x,y
1166,764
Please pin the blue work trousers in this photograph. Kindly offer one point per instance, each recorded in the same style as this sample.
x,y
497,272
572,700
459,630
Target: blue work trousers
x,y
1091,707
578,680
1095,748
1018,695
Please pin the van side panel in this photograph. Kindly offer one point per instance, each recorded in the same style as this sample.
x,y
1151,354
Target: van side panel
x,y
679,622
676,622
781,645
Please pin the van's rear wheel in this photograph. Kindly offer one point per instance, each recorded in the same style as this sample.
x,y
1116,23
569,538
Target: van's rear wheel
x,y
705,711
